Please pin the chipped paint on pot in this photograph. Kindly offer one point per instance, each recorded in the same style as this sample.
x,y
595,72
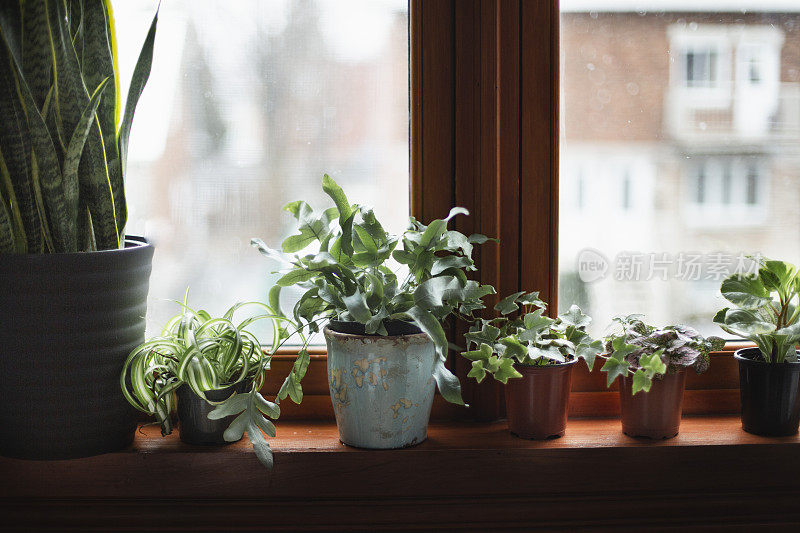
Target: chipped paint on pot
x,y
381,388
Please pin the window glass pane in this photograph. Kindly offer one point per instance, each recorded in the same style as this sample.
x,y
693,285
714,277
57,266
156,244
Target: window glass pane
x,y
696,104
248,104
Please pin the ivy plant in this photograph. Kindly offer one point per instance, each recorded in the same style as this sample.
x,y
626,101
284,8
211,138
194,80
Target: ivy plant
x,y
766,309
207,353
527,338
353,270
646,352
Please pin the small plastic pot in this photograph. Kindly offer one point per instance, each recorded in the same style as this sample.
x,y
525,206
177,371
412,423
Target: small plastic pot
x,y
195,426
536,403
770,394
655,414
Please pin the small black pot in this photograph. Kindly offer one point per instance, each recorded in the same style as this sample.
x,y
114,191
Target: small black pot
x,y
770,394
195,426
67,323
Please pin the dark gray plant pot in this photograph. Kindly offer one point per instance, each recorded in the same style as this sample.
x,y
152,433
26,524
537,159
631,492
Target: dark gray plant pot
x,y
770,394
195,426
68,323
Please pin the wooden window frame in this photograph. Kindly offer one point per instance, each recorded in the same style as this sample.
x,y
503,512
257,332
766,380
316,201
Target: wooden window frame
x,y
484,117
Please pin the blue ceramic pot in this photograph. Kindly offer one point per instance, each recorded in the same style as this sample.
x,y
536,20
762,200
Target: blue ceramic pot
x,y
381,387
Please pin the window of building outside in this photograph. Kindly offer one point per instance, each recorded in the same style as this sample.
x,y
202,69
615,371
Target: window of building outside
x,y
680,137
248,104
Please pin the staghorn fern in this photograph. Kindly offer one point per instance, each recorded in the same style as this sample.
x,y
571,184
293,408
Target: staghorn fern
x,y
62,145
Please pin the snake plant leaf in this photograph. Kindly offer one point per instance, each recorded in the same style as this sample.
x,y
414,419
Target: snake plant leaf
x,y
141,73
15,227
7,238
75,150
97,63
15,146
70,92
45,169
37,56
11,27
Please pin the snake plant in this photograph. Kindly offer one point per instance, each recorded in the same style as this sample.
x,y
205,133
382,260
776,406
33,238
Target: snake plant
x,y
63,146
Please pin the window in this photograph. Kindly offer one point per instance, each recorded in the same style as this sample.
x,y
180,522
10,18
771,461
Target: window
x,y
248,104
706,97
701,68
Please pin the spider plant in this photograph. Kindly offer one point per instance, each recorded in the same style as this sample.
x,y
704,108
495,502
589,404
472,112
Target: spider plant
x,y
63,146
207,353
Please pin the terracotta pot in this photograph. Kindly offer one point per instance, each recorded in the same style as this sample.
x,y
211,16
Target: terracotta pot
x,y
536,403
655,414
770,394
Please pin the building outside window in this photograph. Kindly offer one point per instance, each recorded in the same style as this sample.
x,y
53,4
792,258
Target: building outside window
x,y
704,102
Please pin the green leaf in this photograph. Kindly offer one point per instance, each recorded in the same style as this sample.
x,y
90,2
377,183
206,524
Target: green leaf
x,y
357,307
508,304
233,405
747,323
641,382
745,290
652,363
336,193
614,367
588,352
514,348
260,446
270,409
506,370
484,352
477,371
431,326
448,384
436,228
141,73
237,428
46,176
296,276
75,150
575,317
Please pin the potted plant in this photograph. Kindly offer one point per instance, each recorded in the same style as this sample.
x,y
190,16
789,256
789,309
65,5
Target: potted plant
x,y
766,312
533,355
215,368
73,287
386,342
653,361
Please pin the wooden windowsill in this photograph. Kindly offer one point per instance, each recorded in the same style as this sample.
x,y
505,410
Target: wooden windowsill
x,y
464,473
